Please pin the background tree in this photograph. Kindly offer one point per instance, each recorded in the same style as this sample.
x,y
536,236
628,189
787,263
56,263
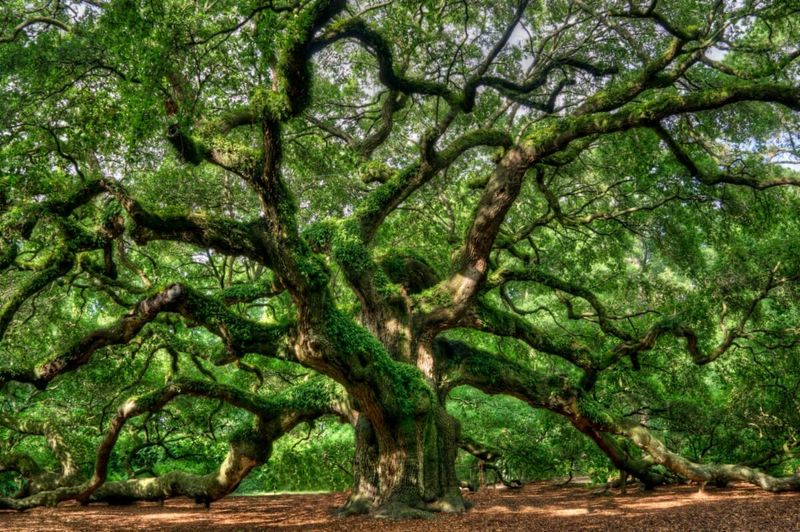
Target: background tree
x,y
300,209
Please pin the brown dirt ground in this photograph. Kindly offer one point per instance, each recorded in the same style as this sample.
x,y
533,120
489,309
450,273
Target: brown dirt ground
x,y
540,506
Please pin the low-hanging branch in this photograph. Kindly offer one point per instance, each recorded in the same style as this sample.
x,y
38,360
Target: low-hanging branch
x,y
248,447
39,478
240,335
494,373
487,458
721,474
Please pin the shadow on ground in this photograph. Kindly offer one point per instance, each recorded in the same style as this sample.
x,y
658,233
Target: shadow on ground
x,y
540,506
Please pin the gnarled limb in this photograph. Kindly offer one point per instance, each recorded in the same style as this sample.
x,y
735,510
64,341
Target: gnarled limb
x,y
484,316
759,180
647,341
239,334
75,240
390,194
552,136
23,221
248,448
495,374
37,478
225,235
718,473
40,480
464,99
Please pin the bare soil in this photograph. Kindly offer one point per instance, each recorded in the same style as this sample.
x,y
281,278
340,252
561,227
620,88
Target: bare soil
x,y
540,506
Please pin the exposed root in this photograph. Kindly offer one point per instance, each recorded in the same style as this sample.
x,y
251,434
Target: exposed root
x,y
402,511
355,505
364,505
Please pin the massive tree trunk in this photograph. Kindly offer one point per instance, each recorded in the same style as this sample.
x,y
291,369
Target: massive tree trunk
x,y
406,469
404,463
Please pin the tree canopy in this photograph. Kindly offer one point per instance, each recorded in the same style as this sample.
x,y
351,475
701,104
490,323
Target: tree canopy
x,y
221,220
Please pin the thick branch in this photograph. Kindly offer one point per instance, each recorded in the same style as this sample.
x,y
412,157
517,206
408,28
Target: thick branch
x,y
647,341
718,473
225,235
758,181
19,28
38,478
73,240
240,335
554,135
552,281
248,448
492,373
485,317
389,195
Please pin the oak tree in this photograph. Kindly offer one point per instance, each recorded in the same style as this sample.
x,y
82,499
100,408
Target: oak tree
x,y
551,200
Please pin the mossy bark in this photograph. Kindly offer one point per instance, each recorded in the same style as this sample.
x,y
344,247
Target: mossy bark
x,y
244,454
407,469
405,460
720,474
37,479
628,465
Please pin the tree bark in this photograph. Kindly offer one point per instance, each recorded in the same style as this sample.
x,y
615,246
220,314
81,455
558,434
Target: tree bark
x,y
622,460
720,474
248,447
246,451
407,469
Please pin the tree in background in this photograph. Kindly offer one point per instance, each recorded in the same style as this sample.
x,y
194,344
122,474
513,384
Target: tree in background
x,y
301,209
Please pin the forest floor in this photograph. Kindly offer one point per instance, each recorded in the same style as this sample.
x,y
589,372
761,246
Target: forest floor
x,y
539,506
